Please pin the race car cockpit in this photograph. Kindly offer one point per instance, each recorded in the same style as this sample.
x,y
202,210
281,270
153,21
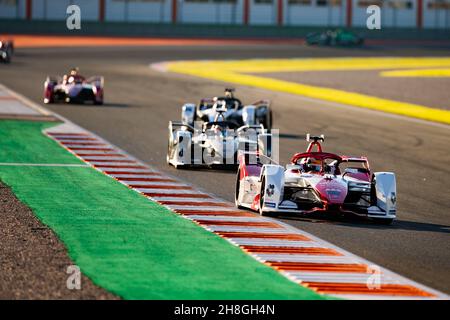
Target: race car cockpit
x,y
230,101
311,165
73,77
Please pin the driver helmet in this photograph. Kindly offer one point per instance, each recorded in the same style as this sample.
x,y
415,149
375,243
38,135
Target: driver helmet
x,y
74,72
312,165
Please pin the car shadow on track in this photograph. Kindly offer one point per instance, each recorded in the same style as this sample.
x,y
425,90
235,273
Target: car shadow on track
x,y
108,105
115,105
360,222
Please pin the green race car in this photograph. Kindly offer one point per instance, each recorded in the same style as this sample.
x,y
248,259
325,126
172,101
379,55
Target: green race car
x,y
336,37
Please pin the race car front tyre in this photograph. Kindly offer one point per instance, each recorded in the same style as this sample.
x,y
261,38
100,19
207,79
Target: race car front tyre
x,y
261,198
48,100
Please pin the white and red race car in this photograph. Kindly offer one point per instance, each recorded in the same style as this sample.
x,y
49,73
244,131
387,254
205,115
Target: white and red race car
x,y
74,88
313,182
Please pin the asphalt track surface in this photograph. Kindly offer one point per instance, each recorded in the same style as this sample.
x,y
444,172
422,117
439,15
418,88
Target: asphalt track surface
x,y
141,101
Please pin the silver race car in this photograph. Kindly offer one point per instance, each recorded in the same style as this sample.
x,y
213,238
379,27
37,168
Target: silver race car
x,y
215,143
316,181
257,113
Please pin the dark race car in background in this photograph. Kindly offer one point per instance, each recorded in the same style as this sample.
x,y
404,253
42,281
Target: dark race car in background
x,y
74,89
6,51
338,37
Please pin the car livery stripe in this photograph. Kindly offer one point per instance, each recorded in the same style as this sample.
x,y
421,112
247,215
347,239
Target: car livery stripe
x,y
299,256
